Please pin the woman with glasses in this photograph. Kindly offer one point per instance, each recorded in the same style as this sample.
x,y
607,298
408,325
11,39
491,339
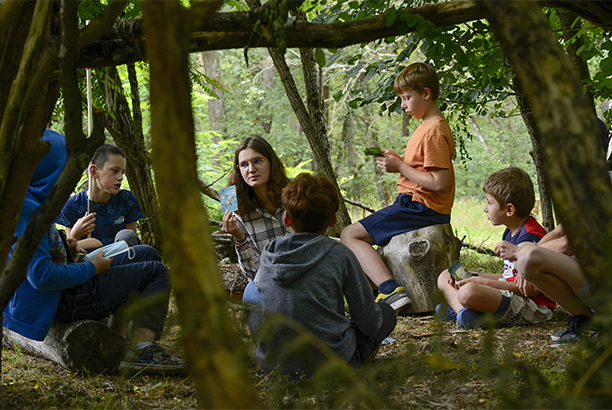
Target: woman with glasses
x,y
259,177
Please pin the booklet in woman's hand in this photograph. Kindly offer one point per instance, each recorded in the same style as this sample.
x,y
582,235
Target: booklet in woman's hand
x,y
229,202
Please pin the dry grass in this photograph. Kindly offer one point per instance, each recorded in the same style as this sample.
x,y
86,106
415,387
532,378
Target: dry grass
x,y
428,366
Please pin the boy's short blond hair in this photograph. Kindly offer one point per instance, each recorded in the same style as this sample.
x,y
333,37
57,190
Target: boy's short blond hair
x,y
511,186
416,77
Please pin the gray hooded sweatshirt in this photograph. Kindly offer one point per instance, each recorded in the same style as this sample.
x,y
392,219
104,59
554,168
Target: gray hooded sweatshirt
x,y
305,276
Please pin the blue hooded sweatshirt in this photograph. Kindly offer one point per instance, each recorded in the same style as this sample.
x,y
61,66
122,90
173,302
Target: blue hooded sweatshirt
x,y
32,308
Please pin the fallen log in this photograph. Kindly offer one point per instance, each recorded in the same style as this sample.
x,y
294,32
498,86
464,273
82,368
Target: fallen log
x,y
85,345
224,246
416,258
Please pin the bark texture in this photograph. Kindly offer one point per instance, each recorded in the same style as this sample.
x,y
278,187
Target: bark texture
x,y
29,134
311,117
548,216
213,350
416,258
571,158
126,43
126,130
80,346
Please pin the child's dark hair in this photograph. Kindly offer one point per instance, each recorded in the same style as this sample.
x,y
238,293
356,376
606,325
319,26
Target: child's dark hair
x,y
511,186
416,77
104,151
247,200
311,201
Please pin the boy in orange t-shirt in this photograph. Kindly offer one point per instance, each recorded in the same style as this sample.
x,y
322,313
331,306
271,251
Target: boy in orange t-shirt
x,y
426,184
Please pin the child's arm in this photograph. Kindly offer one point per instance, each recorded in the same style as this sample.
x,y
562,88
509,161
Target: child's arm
x,y
89,243
556,240
525,287
556,233
507,250
496,284
132,226
438,180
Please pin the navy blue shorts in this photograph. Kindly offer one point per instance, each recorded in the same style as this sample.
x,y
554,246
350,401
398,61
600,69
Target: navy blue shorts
x,y
402,216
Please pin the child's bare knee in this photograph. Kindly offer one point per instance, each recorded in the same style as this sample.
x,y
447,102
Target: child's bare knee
x,y
527,259
348,233
467,294
443,278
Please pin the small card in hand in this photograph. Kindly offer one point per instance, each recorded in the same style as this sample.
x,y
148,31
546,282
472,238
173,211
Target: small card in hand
x,y
458,271
229,202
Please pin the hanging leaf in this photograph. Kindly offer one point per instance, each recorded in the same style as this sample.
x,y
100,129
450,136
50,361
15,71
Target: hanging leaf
x,y
320,57
391,16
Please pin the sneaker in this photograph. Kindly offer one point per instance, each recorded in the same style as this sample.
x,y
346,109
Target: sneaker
x,y
445,313
397,299
151,359
575,327
557,335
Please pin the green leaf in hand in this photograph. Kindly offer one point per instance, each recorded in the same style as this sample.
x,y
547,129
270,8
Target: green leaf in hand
x,y
374,151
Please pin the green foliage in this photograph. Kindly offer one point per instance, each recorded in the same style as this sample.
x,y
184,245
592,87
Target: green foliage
x,y
89,9
373,151
198,78
272,21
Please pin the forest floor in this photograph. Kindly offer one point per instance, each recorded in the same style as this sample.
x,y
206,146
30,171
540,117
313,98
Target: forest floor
x,y
428,365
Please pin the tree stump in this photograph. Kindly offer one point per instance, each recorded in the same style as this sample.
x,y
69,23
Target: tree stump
x,y
85,345
416,258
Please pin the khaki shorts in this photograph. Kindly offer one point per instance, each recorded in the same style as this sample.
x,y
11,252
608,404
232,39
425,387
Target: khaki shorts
x,y
523,311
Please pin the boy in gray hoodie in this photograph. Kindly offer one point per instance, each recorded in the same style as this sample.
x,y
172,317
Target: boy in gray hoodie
x,y
303,278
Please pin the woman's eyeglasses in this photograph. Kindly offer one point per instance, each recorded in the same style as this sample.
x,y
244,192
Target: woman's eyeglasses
x,y
257,163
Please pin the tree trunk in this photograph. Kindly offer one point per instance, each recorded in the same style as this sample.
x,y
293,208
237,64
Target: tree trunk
x,y
268,77
318,142
571,157
348,143
213,350
416,258
406,125
485,145
85,345
570,25
548,217
30,120
216,107
127,133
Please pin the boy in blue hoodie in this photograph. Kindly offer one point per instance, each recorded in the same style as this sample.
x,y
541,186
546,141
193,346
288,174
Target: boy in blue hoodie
x,y
56,290
305,276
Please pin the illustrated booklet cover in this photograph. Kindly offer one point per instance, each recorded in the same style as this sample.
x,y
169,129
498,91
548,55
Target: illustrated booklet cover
x,y
229,202
458,271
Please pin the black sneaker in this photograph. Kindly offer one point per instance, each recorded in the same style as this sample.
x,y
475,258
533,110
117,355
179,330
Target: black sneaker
x,y
152,359
575,327
557,335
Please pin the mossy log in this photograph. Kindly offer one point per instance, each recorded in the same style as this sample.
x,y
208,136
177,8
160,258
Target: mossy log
x,y
85,345
416,258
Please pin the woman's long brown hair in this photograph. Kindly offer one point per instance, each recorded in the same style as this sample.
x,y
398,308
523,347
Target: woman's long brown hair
x,y
247,200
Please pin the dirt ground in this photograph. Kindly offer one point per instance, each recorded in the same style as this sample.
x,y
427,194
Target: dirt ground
x,y
428,365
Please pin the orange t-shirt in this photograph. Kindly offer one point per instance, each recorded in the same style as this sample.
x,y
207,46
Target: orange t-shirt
x,y
430,146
